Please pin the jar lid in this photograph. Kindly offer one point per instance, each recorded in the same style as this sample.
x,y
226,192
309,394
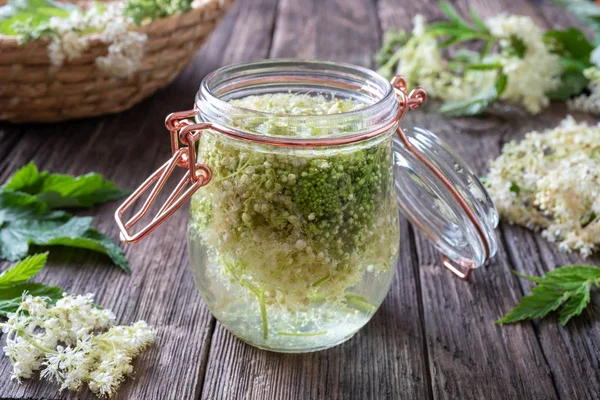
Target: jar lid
x,y
439,193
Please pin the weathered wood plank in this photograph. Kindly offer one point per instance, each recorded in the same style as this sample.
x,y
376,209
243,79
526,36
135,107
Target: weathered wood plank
x,y
469,356
385,359
572,352
127,148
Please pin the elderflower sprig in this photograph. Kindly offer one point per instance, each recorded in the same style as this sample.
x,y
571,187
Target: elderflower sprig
x,y
517,62
66,344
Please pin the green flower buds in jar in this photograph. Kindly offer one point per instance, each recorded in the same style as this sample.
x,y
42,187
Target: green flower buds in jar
x,y
291,238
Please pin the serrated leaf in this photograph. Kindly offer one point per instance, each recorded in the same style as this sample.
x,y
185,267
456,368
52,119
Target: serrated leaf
x,y
95,241
64,191
473,106
570,284
23,270
10,297
576,303
24,220
536,305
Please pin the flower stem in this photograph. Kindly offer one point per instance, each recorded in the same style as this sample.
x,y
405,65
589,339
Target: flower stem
x,y
263,315
32,342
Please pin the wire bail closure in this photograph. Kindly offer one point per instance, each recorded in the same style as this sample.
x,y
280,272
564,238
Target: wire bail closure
x,y
196,176
184,130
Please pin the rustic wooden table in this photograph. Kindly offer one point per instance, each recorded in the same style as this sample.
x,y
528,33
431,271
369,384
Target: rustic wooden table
x,y
434,336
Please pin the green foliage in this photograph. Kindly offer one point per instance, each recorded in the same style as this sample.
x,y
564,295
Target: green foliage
x,y
27,218
387,57
574,50
569,286
140,11
458,29
13,282
64,191
473,106
586,11
31,13
23,270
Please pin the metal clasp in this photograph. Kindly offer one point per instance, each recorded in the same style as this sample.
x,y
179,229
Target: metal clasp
x,y
187,132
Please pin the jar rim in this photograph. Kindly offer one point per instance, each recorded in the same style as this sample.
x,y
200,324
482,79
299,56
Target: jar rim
x,y
377,117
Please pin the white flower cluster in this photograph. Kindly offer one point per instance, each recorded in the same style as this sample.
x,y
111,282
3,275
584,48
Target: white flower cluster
x,y
71,37
551,181
533,75
530,77
589,103
64,342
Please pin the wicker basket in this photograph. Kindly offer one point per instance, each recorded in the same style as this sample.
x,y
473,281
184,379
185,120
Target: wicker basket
x,y
32,89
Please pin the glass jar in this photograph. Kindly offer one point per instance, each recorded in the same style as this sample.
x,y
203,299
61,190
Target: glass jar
x,y
294,234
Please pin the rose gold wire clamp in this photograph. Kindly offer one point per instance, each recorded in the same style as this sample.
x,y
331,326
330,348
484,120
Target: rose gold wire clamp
x,y
183,129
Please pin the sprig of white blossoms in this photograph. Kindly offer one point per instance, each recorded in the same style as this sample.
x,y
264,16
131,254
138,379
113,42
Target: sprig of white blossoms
x,y
65,341
530,77
551,181
589,103
71,36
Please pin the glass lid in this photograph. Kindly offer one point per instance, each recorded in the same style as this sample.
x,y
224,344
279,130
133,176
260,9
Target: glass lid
x,y
439,193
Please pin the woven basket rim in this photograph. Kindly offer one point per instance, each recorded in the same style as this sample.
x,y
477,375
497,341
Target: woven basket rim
x,y
95,36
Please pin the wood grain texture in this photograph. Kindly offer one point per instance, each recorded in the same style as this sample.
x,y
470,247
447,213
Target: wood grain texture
x,y
433,337
127,148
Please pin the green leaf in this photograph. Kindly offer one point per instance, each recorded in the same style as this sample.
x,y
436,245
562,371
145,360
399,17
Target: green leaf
x,y
63,191
23,270
570,43
569,285
473,106
586,11
24,220
576,303
588,219
95,241
501,82
484,66
453,15
10,297
572,83
514,188
518,48
537,305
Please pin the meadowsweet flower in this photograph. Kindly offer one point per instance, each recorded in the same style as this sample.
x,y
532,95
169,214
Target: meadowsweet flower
x,y
550,181
65,344
534,73
70,37
589,103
